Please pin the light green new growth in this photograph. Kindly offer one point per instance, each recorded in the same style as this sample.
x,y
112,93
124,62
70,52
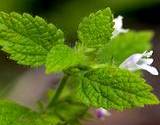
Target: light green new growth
x,y
62,57
113,88
96,30
28,39
91,68
123,46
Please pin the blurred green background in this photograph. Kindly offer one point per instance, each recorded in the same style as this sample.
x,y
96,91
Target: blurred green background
x,y
67,14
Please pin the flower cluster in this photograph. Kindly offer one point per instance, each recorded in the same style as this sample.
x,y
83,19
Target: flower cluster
x,y
140,61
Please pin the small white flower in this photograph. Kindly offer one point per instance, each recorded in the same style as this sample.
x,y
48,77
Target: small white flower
x,y
140,61
118,26
101,113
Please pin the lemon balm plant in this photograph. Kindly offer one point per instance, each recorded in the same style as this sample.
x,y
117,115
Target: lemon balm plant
x,y
100,71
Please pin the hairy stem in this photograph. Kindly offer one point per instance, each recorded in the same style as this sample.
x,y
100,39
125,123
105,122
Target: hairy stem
x,y
59,90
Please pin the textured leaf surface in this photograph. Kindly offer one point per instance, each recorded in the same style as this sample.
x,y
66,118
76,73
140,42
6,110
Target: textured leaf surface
x,y
96,29
26,38
124,46
113,88
62,57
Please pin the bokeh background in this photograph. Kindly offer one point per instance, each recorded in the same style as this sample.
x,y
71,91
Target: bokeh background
x,y
27,86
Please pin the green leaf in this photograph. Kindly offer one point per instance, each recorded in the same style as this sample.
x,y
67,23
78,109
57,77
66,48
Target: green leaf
x,y
64,112
96,29
28,39
69,111
14,114
123,46
113,88
62,57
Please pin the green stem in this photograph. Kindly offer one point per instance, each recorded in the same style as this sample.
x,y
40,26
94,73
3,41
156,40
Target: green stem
x,y
59,90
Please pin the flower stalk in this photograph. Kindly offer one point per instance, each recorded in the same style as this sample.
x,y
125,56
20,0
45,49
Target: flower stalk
x,y
59,90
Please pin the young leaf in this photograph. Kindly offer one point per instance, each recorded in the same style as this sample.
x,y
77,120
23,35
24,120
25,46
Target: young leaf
x,y
113,88
62,57
96,29
26,38
124,46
